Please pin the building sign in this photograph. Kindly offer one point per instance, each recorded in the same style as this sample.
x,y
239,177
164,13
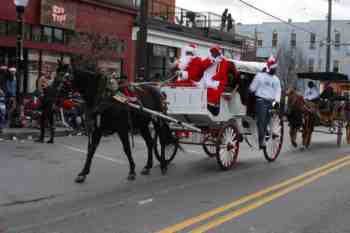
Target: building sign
x,y
58,13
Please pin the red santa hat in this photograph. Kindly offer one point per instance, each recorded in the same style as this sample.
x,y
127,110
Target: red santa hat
x,y
191,48
216,48
271,63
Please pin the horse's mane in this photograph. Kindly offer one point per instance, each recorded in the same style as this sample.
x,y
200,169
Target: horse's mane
x,y
90,84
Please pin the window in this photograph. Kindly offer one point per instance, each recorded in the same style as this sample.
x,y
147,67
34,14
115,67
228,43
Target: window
x,y
36,33
312,41
260,43
293,40
11,29
337,40
58,35
69,37
47,34
27,32
311,64
336,66
274,39
3,29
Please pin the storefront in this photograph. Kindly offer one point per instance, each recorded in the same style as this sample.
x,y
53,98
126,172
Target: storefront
x,y
51,26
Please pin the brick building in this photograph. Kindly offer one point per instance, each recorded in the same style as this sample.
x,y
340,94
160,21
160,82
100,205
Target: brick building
x,y
51,24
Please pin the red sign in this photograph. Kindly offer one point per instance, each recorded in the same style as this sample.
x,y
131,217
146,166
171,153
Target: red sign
x,y
58,13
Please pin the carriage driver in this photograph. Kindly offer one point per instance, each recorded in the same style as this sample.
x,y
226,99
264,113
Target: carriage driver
x,y
267,89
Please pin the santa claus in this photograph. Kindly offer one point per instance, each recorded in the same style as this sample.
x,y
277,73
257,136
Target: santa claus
x,y
215,78
190,69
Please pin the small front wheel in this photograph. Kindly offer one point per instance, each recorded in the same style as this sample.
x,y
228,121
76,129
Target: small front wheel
x,y
227,146
170,150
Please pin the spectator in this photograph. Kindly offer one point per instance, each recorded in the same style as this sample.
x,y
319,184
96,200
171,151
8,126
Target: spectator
x,y
42,83
2,110
191,16
229,23
3,76
10,87
224,19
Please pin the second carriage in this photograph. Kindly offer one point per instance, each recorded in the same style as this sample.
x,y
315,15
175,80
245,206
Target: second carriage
x,y
221,135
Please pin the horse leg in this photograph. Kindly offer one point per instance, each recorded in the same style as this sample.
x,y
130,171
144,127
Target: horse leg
x,y
162,137
146,135
124,137
311,129
51,119
94,141
42,126
305,130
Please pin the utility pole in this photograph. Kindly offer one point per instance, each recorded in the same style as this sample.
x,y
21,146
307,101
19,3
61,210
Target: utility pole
x,y
329,37
142,49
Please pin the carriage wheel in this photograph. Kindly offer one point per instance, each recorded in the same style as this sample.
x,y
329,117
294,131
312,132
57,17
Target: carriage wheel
x,y
170,150
275,139
209,147
339,133
227,146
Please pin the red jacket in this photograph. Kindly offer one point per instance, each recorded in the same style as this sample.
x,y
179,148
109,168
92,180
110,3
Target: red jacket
x,y
194,71
221,75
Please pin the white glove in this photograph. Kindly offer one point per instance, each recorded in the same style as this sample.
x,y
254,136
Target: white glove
x,y
212,84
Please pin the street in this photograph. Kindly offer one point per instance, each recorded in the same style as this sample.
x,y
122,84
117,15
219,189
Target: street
x,y
38,194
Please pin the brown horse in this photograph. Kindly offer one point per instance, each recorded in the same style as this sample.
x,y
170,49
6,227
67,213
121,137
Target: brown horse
x,y
300,115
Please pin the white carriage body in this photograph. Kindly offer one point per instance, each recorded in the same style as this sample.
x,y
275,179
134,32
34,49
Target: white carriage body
x,y
189,104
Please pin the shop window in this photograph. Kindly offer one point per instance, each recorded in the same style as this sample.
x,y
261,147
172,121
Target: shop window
x,y
27,31
68,37
36,33
336,66
47,34
3,28
11,28
312,41
58,35
260,43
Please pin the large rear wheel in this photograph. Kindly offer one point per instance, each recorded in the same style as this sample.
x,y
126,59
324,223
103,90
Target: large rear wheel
x,y
170,150
227,146
274,138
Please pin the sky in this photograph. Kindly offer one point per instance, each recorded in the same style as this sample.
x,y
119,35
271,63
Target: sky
x,y
297,10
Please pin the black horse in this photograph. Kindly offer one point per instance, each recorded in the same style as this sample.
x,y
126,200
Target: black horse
x,y
106,116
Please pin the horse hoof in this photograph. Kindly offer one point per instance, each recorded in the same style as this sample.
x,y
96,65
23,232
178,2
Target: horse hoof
x,y
146,171
294,144
50,142
131,176
164,171
39,141
80,179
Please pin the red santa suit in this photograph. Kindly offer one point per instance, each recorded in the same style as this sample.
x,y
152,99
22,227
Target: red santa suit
x,y
191,67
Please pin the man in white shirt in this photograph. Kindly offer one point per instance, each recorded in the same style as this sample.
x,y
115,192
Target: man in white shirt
x,y
267,88
311,92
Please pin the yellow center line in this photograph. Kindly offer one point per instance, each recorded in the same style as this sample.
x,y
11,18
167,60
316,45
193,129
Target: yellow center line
x,y
194,220
265,200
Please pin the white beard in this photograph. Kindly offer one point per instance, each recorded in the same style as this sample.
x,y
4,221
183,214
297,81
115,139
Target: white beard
x,y
184,61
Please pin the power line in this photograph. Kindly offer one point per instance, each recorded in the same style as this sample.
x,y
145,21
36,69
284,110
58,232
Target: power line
x,y
277,18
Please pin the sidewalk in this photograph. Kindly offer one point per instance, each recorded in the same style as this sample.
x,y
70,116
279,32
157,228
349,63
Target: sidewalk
x,y
30,133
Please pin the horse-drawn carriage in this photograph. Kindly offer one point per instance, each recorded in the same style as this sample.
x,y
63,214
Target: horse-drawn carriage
x,y
330,113
220,135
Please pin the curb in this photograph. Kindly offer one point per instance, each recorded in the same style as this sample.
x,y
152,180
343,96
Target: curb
x,y
30,135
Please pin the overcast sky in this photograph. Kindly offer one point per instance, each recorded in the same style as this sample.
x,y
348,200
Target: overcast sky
x,y
297,10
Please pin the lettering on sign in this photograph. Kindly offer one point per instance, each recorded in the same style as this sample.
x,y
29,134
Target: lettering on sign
x,y
58,14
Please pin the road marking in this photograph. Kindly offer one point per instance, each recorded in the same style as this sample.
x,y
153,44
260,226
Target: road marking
x,y
221,220
204,216
119,161
144,202
194,152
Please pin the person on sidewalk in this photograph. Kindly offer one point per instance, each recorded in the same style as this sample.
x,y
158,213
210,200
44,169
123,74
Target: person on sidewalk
x,y
10,90
267,89
229,22
2,110
224,19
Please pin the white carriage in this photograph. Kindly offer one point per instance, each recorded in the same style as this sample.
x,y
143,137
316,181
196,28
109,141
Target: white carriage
x,y
221,135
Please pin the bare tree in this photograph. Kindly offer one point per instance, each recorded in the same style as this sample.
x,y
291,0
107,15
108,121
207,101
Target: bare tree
x,y
291,61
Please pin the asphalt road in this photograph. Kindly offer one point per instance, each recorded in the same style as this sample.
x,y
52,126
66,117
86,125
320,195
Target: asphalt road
x,y
303,191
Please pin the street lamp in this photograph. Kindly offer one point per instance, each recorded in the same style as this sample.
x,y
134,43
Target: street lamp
x,y
20,6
